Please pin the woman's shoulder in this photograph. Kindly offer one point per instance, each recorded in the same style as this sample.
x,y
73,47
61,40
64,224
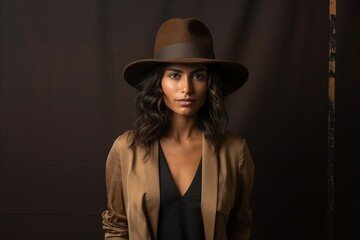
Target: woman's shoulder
x,y
123,140
235,147
231,138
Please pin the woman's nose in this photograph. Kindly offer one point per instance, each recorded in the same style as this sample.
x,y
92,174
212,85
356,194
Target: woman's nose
x,y
186,85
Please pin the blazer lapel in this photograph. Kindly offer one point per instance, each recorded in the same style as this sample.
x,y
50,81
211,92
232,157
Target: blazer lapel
x,y
153,189
209,188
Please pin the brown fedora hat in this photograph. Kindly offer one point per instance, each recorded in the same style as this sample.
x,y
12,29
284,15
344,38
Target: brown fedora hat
x,y
186,41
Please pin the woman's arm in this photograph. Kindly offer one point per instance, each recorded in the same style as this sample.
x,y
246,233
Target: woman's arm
x,y
114,218
240,216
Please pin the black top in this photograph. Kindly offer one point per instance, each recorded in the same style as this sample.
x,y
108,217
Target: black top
x,y
180,216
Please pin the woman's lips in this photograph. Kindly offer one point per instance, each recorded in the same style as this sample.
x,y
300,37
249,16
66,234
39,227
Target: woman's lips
x,y
185,102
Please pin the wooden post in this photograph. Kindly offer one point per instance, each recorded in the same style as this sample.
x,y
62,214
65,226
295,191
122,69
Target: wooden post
x,y
331,117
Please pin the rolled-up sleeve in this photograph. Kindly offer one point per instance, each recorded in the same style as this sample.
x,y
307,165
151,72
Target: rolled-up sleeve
x,y
240,216
114,217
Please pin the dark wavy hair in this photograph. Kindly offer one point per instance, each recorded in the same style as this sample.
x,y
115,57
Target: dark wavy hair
x,y
153,116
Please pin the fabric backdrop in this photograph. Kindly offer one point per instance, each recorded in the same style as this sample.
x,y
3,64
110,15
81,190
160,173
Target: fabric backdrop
x,y
63,102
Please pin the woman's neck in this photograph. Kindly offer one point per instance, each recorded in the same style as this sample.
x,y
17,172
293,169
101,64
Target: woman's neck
x,y
183,128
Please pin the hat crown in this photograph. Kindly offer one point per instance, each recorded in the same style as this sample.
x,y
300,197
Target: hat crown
x,y
178,38
186,41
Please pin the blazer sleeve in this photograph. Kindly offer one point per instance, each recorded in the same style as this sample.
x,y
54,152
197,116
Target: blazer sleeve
x,y
239,222
114,218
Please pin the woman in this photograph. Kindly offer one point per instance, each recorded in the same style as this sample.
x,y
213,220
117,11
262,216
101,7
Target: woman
x,y
177,174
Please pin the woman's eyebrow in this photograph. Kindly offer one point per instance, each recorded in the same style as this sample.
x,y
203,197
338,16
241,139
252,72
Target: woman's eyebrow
x,y
181,71
173,69
199,70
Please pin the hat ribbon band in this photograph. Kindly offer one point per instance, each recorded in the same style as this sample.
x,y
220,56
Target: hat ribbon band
x,y
185,50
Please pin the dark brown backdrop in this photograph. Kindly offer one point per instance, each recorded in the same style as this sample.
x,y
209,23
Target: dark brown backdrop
x,y
63,102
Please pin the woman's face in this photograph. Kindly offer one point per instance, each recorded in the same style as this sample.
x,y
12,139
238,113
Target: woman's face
x,y
185,87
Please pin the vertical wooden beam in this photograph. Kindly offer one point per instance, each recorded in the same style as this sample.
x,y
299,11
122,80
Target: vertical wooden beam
x,y
331,117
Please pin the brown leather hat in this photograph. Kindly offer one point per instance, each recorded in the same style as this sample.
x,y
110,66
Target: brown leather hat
x,y
186,41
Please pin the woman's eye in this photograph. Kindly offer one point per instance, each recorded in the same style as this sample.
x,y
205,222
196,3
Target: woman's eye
x,y
174,75
199,76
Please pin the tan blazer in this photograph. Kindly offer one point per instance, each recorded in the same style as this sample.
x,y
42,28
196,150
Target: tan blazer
x,y
134,191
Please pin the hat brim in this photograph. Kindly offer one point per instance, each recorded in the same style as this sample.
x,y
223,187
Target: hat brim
x,y
233,74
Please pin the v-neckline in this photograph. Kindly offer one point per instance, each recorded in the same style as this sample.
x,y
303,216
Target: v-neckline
x,y
168,172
